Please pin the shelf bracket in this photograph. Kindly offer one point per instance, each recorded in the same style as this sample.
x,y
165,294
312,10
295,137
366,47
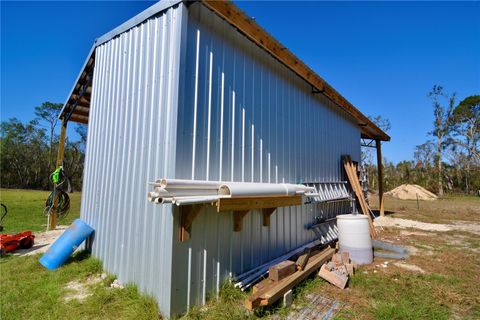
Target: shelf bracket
x,y
267,212
238,219
187,215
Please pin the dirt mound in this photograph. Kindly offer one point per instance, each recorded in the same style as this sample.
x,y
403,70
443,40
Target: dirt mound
x,y
410,192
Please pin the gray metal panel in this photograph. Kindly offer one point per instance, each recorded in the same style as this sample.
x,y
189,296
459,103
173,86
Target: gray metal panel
x,y
246,117
131,140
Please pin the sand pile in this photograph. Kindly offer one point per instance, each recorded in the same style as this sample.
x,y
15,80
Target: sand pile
x,y
410,192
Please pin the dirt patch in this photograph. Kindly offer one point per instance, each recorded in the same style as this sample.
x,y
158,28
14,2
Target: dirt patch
x,y
80,290
409,267
413,233
434,227
411,192
43,240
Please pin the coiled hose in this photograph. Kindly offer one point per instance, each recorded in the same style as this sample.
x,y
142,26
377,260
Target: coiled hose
x,y
63,206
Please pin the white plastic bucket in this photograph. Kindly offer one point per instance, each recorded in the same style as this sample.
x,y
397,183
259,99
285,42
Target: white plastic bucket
x,y
354,237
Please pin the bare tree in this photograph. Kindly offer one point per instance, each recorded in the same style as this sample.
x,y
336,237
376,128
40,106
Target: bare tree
x,y
442,126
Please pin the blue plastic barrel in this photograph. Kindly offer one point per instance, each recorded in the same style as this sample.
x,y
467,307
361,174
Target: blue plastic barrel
x,y
64,246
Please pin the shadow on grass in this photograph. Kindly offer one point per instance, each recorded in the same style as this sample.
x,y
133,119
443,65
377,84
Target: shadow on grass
x,y
78,257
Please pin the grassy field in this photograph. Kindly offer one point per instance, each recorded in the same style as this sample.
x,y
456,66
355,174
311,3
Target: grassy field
x,y
445,285
25,209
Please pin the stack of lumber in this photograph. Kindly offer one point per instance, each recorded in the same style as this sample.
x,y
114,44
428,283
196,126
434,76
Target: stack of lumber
x,y
338,270
285,275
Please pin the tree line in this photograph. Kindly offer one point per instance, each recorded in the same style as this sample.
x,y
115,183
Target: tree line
x,y
28,151
450,160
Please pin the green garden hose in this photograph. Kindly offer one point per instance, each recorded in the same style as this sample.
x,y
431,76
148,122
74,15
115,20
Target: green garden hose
x,y
58,178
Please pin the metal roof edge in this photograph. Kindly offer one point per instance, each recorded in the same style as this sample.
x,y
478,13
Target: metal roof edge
x,y
92,50
132,22
136,20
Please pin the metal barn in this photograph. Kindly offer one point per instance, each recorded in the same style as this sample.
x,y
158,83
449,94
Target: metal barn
x,y
197,90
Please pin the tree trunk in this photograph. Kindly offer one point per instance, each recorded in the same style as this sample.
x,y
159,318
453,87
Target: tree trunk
x,y
50,156
439,164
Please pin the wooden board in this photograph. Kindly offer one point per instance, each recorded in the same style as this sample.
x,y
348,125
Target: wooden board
x,y
274,292
355,183
336,278
281,270
250,203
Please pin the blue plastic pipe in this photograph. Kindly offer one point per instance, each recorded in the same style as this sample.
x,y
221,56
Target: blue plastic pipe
x,y
64,246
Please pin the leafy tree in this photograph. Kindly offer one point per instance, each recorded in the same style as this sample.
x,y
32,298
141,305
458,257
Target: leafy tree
x,y
23,153
48,113
81,130
442,126
466,130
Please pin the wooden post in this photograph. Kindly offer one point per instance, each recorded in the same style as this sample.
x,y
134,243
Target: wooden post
x,y
378,144
52,218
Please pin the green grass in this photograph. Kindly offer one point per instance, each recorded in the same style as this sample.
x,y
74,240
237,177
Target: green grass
x,y
25,209
408,297
29,291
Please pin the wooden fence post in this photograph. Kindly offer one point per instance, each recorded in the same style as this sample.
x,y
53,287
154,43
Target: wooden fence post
x,y
52,222
378,144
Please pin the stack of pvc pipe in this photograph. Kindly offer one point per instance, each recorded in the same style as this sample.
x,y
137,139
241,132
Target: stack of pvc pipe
x,y
249,278
187,192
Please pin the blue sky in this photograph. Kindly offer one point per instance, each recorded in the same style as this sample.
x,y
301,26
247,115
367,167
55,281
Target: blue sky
x,y
382,56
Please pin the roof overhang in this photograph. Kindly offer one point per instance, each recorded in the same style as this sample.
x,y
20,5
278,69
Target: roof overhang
x,y
77,106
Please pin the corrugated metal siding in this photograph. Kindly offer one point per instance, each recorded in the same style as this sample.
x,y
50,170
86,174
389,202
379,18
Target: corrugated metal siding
x,y
246,117
131,140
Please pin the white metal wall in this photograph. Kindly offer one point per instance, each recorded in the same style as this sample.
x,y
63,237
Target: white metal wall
x,y
246,117
131,140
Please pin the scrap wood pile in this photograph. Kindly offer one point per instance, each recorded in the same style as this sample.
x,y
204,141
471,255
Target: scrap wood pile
x,y
285,275
338,271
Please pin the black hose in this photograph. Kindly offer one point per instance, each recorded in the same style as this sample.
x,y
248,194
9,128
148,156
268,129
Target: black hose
x,y
63,206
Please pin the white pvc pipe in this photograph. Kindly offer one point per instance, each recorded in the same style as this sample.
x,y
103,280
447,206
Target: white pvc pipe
x,y
163,200
188,184
195,200
185,192
236,189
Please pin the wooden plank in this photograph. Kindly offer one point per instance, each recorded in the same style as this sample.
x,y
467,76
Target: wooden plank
x,y
249,203
263,285
187,215
336,278
238,219
303,259
352,177
236,17
275,292
281,270
266,213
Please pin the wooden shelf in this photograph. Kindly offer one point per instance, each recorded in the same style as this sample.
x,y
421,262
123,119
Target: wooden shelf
x,y
240,207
